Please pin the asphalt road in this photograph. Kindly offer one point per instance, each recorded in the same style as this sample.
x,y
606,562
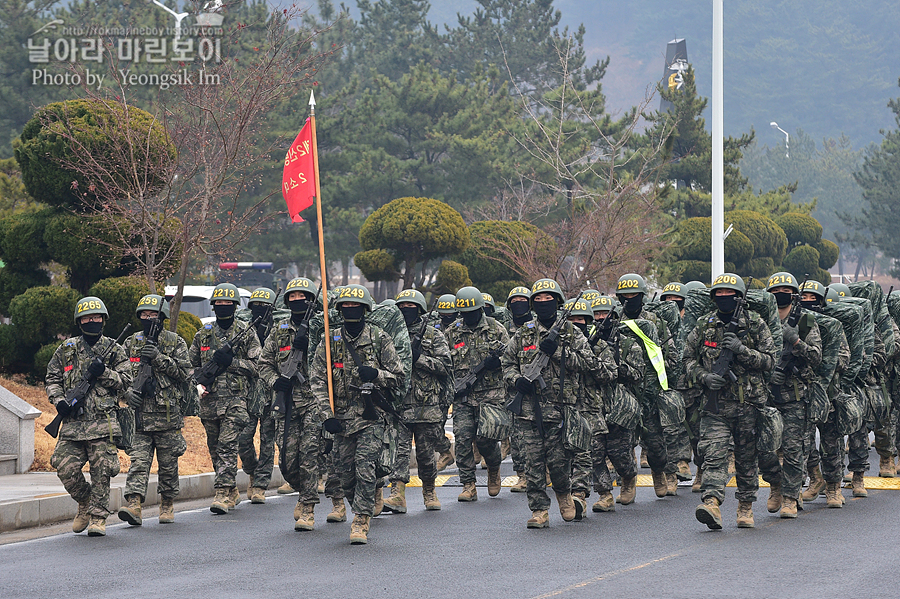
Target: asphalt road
x,y
653,548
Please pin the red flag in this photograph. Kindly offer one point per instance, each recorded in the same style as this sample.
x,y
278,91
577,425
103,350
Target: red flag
x,y
298,183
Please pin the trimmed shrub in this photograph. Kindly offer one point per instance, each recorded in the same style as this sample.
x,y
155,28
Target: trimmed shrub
x,y
451,276
828,253
767,237
803,259
801,229
14,282
42,358
759,268
41,314
188,325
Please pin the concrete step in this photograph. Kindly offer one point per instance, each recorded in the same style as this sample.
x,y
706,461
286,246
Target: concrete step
x,y
8,463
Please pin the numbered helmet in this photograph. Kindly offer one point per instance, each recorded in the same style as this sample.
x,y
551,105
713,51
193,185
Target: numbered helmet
x,y
691,285
447,304
831,295
674,288
488,300
469,299
547,286
783,279
413,296
580,307
354,293
300,284
518,292
153,303
590,295
604,303
728,280
87,306
631,283
262,295
814,287
841,289
225,291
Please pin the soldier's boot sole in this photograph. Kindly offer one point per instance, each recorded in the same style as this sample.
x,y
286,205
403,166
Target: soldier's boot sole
x,y
338,512
629,491
580,507
127,515
774,502
684,471
306,522
220,504
256,495
167,512
469,493
788,509
709,515
97,527
605,503
539,519
660,485
285,489
859,486
833,496
396,503
82,519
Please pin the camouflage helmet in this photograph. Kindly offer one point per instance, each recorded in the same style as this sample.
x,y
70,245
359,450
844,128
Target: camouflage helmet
x,y
728,280
468,299
580,307
814,287
604,303
631,283
300,284
488,300
547,286
842,290
262,295
153,303
225,291
90,305
446,304
783,279
354,293
674,288
413,296
519,291
691,285
831,295
590,295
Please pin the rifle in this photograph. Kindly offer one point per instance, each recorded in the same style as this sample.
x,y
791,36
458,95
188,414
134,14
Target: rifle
x,y
76,396
207,374
787,364
462,387
722,365
284,399
532,372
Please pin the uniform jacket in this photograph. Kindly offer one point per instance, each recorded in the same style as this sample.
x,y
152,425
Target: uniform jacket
x,y
468,348
233,387
170,371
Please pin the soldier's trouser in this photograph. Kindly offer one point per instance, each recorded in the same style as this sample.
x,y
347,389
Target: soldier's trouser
x,y
735,421
442,442
653,441
169,446
465,425
70,456
616,445
541,455
858,455
357,455
222,441
692,399
582,471
426,435
792,472
515,449
258,468
678,444
884,437
830,454
298,453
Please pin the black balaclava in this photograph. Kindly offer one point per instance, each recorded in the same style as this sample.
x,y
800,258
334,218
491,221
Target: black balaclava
x,y
782,298
679,302
581,325
354,319
225,314
410,314
261,311
91,331
147,324
298,308
488,310
632,306
726,305
473,317
545,311
447,319
521,312
812,304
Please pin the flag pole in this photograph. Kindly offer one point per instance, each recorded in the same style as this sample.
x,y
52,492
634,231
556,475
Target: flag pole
x,y
318,200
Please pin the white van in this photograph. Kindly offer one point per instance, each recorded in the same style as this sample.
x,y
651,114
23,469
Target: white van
x,y
196,300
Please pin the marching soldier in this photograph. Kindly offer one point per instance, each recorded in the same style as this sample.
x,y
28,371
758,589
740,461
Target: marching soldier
x,y
446,309
518,302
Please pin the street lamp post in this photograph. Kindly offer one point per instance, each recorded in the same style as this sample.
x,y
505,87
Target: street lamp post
x,y
787,139
718,128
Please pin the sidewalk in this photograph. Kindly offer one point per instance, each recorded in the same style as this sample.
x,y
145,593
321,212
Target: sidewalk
x,y
38,498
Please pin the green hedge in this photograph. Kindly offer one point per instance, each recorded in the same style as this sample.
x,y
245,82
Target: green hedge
x,y
801,229
802,260
42,358
188,325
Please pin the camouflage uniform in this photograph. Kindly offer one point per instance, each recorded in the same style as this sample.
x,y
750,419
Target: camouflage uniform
x,y
259,412
831,452
547,452
360,442
858,442
442,442
160,415
884,435
299,446
468,348
223,409
738,402
88,437
793,405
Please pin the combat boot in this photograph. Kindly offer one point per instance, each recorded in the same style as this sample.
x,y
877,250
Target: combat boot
x,y
745,514
684,470
306,521
234,498
469,493
539,519
644,462
82,519
698,481
520,485
789,508
131,512
429,496
97,527
505,448
256,495
605,503
285,489
816,485
859,485
167,511
379,502
773,504
566,506
628,492
445,459
833,496
359,530
220,502
494,481
397,501
338,512
671,485
886,467
660,485
320,488
580,501
708,513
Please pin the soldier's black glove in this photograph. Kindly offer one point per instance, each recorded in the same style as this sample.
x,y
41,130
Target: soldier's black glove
x,y
548,345
301,341
63,408
523,385
416,353
333,426
223,358
622,372
492,363
149,351
329,445
732,342
790,335
367,374
778,378
96,368
283,383
713,381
